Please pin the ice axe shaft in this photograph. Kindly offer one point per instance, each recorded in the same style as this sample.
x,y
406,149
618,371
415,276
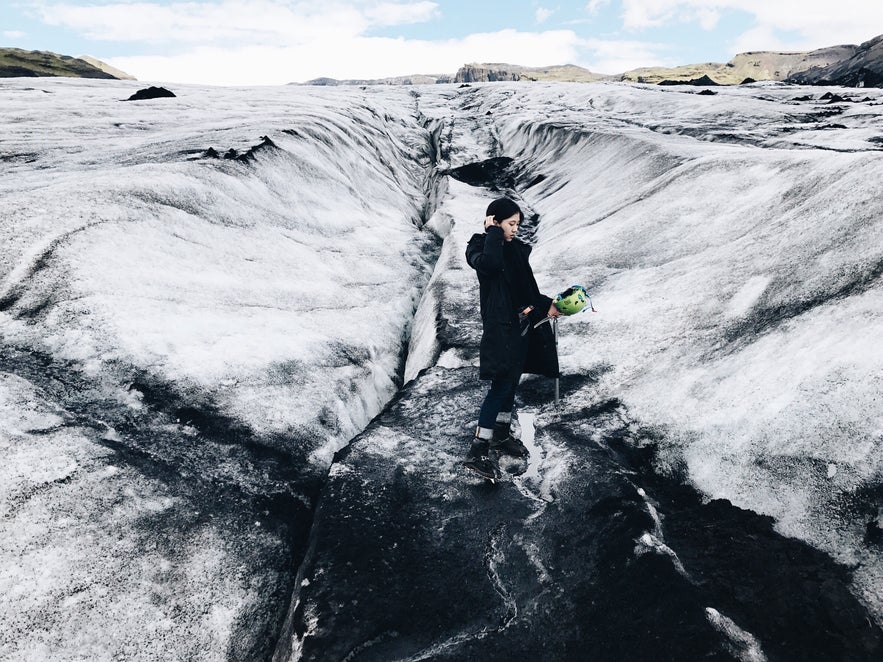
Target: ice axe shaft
x,y
555,333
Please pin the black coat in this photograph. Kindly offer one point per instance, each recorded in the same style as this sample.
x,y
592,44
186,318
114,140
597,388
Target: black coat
x,y
501,331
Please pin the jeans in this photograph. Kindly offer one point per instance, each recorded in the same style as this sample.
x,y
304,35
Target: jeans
x,y
501,397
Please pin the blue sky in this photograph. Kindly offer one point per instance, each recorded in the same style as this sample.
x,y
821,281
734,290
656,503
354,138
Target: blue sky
x,y
278,41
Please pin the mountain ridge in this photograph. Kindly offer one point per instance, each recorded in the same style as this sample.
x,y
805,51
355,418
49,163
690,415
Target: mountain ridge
x,y
18,62
849,65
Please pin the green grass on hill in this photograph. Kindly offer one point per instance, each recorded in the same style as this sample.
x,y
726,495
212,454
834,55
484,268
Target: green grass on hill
x,y
15,62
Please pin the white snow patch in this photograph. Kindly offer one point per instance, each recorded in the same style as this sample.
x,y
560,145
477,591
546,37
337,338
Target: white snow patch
x,y
650,543
747,295
743,645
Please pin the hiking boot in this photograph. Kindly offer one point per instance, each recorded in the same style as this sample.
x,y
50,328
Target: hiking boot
x,y
510,446
505,443
478,461
484,467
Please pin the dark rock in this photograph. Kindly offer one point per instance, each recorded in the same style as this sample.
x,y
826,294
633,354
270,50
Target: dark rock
x,y
536,180
748,81
265,143
807,97
705,93
17,72
465,85
249,154
863,69
830,97
874,534
151,93
704,81
493,173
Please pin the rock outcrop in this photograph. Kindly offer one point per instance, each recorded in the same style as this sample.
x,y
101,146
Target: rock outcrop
x,y
864,68
484,73
151,93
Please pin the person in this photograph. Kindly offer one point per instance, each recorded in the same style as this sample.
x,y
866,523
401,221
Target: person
x,y
511,305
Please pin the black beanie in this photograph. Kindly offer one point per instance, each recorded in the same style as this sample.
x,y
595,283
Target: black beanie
x,y
503,208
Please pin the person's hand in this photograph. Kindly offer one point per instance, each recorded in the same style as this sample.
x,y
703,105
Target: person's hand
x,y
489,221
553,311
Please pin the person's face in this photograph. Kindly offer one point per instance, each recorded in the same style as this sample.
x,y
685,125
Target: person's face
x,y
510,227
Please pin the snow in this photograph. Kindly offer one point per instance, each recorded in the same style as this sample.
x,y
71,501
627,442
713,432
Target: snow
x,y
743,645
731,243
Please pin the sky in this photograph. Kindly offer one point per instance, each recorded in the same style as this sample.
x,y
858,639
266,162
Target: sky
x,y
273,42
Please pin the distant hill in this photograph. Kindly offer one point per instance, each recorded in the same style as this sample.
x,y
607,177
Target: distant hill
x,y
415,79
481,73
758,65
847,65
16,62
104,66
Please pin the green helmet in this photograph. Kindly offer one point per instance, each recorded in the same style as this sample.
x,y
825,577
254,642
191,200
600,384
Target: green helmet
x,y
572,300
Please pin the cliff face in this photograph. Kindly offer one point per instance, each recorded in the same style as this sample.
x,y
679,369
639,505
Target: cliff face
x,y
16,62
862,68
487,73
484,73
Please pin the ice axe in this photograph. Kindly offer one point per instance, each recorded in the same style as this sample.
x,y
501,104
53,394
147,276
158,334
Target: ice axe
x,y
569,302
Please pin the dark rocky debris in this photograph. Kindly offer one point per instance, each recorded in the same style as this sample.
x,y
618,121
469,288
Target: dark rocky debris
x,y
246,156
704,81
609,561
494,173
151,93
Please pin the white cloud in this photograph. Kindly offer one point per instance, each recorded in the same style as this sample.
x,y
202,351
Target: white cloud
x,y
14,34
595,6
355,57
245,22
618,56
543,14
390,13
809,23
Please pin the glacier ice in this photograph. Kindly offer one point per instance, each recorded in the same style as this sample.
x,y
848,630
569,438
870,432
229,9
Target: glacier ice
x,y
241,311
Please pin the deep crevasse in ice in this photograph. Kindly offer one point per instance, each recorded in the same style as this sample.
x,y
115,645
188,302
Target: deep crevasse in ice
x,y
735,268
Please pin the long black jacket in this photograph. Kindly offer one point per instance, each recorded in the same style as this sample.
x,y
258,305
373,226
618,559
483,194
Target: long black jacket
x,y
501,330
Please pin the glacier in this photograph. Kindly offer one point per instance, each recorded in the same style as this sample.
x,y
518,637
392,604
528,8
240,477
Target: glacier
x,y
238,349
